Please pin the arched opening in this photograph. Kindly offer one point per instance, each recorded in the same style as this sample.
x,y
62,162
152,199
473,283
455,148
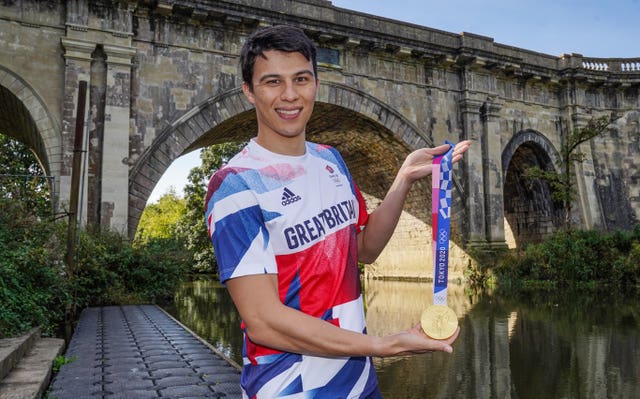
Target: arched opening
x,y
24,117
16,122
530,212
23,171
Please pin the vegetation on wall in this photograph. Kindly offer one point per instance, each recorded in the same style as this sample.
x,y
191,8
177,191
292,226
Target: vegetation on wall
x,y
562,181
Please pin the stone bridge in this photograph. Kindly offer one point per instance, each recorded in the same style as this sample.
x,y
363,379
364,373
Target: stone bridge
x,y
163,81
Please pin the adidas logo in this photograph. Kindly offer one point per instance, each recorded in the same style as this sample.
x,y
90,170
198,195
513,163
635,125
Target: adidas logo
x,y
288,197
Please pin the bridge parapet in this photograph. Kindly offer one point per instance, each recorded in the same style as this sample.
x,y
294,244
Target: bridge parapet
x,y
616,65
611,65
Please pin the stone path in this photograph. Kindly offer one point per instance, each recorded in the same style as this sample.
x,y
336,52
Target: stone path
x,y
141,352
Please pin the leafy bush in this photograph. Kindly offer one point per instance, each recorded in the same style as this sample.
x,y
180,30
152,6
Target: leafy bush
x,y
32,287
38,289
579,259
112,271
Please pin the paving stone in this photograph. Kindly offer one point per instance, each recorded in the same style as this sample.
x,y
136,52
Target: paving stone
x,y
215,370
80,390
128,384
220,378
154,352
187,390
132,375
131,394
176,381
153,360
129,364
168,364
192,346
202,363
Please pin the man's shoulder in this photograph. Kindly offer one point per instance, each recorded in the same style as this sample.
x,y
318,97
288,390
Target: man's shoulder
x,y
325,152
322,150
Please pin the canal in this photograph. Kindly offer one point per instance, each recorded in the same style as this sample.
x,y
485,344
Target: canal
x,y
545,345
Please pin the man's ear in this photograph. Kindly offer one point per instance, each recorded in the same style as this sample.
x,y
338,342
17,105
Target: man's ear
x,y
248,93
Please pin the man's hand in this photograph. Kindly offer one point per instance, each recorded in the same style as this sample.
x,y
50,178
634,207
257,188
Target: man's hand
x,y
415,341
418,164
383,220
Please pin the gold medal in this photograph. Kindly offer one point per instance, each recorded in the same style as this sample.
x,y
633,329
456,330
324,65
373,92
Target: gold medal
x,y
439,321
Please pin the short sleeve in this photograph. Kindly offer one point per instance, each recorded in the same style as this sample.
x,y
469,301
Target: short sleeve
x,y
236,226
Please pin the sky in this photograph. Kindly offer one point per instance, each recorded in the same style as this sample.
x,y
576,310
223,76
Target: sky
x,y
593,28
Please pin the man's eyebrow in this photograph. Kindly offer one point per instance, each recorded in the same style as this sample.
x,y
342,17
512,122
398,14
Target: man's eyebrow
x,y
277,76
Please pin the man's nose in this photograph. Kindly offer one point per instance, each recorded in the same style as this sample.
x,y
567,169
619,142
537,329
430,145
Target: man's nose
x,y
289,92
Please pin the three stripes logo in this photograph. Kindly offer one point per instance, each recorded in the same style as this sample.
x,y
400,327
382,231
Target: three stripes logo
x,y
288,197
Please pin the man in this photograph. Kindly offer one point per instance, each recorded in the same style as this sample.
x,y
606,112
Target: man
x,y
288,226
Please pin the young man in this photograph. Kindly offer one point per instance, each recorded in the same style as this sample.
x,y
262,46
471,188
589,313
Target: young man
x,y
288,226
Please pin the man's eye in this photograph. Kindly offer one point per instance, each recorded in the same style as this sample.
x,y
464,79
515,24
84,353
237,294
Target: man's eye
x,y
273,82
302,79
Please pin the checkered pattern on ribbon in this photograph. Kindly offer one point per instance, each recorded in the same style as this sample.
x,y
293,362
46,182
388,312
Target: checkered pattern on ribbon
x,y
445,185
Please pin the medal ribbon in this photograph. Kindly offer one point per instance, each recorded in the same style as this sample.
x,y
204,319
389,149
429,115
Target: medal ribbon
x,y
441,222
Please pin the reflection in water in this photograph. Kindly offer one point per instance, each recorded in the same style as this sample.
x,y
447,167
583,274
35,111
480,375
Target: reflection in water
x,y
571,346
207,309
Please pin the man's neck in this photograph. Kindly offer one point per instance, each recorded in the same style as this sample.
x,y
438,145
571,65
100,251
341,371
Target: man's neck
x,y
284,146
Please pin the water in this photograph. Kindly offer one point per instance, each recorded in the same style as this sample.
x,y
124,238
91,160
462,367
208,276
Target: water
x,y
532,346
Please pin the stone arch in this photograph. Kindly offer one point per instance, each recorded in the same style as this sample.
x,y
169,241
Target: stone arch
x,y
220,118
530,212
24,116
530,137
372,137
180,137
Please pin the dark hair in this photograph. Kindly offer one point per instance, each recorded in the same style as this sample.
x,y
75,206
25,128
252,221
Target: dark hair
x,y
282,38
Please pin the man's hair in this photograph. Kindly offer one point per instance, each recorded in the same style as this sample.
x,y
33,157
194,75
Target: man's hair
x,y
281,38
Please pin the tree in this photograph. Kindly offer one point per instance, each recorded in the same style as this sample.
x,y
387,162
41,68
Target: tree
x,y
562,182
158,220
22,178
192,226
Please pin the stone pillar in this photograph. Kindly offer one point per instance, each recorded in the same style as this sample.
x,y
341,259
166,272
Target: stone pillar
x,y
77,56
587,200
586,205
492,172
115,166
473,164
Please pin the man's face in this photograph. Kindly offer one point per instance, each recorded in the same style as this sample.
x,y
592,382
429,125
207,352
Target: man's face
x,y
284,91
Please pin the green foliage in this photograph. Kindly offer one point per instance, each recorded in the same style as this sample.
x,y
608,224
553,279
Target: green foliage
x,y
562,183
578,259
192,227
36,288
33,290
22,178
112,271
158,220
60,361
